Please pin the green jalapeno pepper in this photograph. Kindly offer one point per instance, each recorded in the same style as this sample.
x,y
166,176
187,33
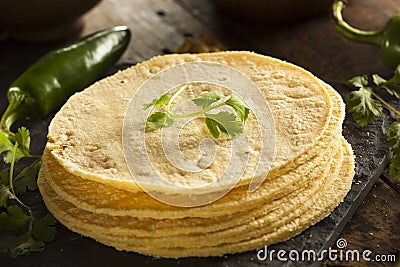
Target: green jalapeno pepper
x,y
387,39
47,84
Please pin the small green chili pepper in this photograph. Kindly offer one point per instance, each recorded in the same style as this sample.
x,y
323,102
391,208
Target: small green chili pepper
x,y
387,39
46,85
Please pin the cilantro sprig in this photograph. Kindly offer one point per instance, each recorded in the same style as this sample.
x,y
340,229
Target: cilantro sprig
x,y
15,215
364,104
223,122
361,104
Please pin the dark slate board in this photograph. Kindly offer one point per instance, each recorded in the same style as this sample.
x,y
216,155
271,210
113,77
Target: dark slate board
x,y
71,249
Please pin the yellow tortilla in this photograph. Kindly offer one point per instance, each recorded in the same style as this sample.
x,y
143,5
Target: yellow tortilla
x,y
85,135
306,207
86,184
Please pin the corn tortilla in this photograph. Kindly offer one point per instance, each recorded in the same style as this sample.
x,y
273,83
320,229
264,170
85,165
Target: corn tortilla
x,y
86,184
300,104
308,205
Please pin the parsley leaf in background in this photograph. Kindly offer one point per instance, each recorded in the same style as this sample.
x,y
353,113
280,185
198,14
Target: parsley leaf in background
x,y
26,179
6,147
40,230
44,228
358,81
13,219
21,245
15,214
4,178
5,144
365,104
360,104
363,107
23,138
393,136
394,167
392,86
5,195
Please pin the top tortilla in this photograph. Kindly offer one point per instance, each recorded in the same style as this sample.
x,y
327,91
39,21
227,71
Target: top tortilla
x,y
86,134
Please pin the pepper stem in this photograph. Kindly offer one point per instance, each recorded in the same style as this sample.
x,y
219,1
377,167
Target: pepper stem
x,y
361,36
11,115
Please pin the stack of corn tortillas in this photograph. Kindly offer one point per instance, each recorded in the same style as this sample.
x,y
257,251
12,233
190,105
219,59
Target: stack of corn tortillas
x,y
86,184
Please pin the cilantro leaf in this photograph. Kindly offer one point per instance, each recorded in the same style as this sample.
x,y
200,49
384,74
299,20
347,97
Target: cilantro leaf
x,y
157,102
362,106
239,106
211,95
4,178
378,80
21,245
23,138
7,147
13,219
26,179
44,228
393,137
392,86
9,155
158,120
212,127
364,109
5,195
225,122
394,167
5,143
358,81
206,99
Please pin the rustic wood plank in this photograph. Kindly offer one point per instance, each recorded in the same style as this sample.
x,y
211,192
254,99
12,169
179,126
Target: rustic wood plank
x,y
391,180
329,55
158,27
377,221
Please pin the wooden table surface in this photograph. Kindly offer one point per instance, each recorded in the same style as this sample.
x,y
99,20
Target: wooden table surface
x,y
160,27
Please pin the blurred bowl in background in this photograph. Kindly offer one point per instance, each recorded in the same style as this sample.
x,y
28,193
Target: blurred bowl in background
x,y
43,20
273,10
